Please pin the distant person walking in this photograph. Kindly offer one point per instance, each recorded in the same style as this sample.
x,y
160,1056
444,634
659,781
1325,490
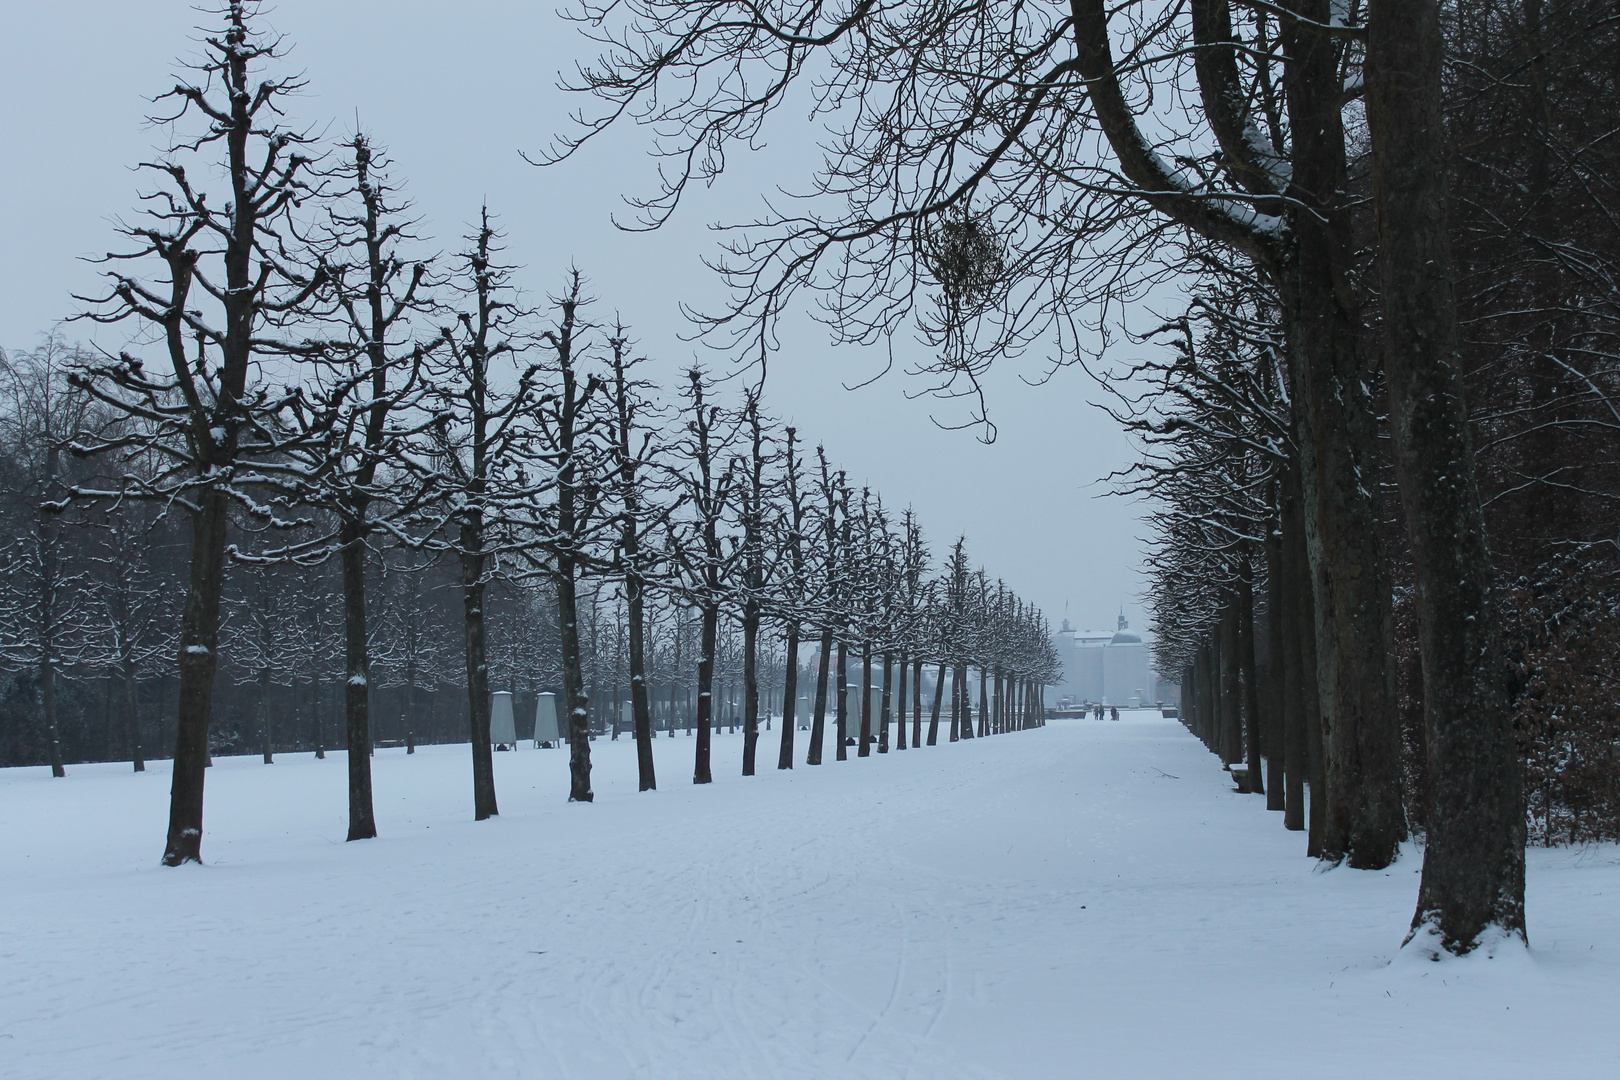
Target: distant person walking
x,y
1113,713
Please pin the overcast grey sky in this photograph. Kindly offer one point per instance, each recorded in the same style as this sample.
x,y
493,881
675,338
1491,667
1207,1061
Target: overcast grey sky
x,y
456,90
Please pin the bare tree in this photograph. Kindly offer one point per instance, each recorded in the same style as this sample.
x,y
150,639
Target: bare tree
x,y
698,543
633,450
225,282
481,420
1473,859
44,602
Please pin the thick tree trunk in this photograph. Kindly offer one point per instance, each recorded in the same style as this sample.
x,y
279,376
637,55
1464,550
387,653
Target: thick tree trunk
x,y
640,699
958,700
984,701
316,718
790,690
1293,587
709,636
574,691
865,749
1231,699
1473,857
818,719
472,602
264,717
933,710
843,701
887,703
132,716
900,708
356,687
1275,700
1365,820
750,685
47,696
998,705
199,649
1311,698
1247,669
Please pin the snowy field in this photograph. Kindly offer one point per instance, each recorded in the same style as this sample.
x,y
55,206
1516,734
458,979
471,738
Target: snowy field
x,y
1087,900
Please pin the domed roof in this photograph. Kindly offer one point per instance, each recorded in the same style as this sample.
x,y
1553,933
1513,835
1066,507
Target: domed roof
x,y
1126,637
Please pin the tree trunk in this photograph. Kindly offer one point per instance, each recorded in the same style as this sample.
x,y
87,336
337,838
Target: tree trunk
x,y
574,692
1276,748
1365,820
886,703
900,709
710,633
818,720
640,699
316,717
47,696
264,716
199,649
865,749
750,685
1231,697
790,701
1247,670
356,687
1294,623
1311,697
843,701
132,716
1473,857
472,602
933,709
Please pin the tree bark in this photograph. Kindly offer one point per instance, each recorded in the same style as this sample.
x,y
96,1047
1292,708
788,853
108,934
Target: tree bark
x,y
264,716
1473,858
1231,692
984,700
900,709
472,602
574,691
886,703
933,710
865,749
640,700
47,696
750,684
818,720
356,686
709,636
1311,695
1247,669
1365,820
1293,587
132,716
199,649
1275,699
790,690
843,701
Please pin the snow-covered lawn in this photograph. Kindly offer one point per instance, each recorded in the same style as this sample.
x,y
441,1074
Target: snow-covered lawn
x,y
1086,900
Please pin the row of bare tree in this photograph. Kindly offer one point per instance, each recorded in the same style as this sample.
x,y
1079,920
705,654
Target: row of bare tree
x,y
319,393
1517,630
1002,177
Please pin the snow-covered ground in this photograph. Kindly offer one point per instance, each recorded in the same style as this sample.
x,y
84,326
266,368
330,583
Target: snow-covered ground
x,y
1090,899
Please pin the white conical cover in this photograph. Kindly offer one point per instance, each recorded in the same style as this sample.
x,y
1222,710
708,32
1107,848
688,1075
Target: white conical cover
x,y
546,728
502,731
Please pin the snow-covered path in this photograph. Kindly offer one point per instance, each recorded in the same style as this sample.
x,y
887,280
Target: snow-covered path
x,y
1089,899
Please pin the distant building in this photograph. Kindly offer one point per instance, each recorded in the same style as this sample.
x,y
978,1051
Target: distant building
x,y
1112,667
